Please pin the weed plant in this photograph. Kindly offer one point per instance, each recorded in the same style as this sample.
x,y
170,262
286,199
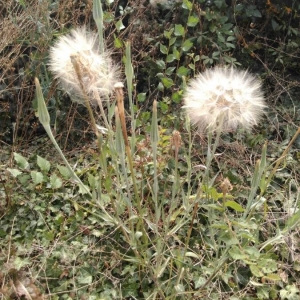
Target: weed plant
x,y
142,219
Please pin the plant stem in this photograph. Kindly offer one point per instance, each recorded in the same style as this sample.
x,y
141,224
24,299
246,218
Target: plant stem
x,y
120,101
99,101
87,102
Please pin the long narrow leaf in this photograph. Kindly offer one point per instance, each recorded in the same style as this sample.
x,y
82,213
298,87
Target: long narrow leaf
x,y
129,78
98,18
260,168
44,118
154,140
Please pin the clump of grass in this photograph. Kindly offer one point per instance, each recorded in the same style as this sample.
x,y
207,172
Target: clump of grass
x,y
159,232
178,236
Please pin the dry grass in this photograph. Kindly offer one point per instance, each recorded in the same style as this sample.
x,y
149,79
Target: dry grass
x,y
26,33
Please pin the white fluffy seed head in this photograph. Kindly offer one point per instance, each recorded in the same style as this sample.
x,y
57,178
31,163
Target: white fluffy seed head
x,y
97,70
223,99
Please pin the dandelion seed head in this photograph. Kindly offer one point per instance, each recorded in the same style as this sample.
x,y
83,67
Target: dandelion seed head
x,y
223,99
98,73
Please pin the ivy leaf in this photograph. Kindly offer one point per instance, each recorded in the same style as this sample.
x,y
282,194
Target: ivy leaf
x,y
37,177
187,4
97,233
84,278
230,45
49,235
290,292
268,265
93,181
168,34
226,27
177,96
256,271
182,71
19,262
219,3
163,49
257,13
187,45
83,189
161,64
64,171
176,53
223,19
263,292
179,288
14,172
179,30
236,253
160,87
141,97
170,70
170,58
275,25
172,41
231,38
200,282
43,164
167,82
55,181
164,107
221,38
192,66
192,21
59,219
21,161
239,7
208,61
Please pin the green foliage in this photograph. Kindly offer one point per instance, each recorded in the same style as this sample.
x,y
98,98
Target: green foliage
x,y
152,223
181,227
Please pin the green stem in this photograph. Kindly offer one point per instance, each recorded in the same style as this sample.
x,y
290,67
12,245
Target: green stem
x,y
73,174
87,103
